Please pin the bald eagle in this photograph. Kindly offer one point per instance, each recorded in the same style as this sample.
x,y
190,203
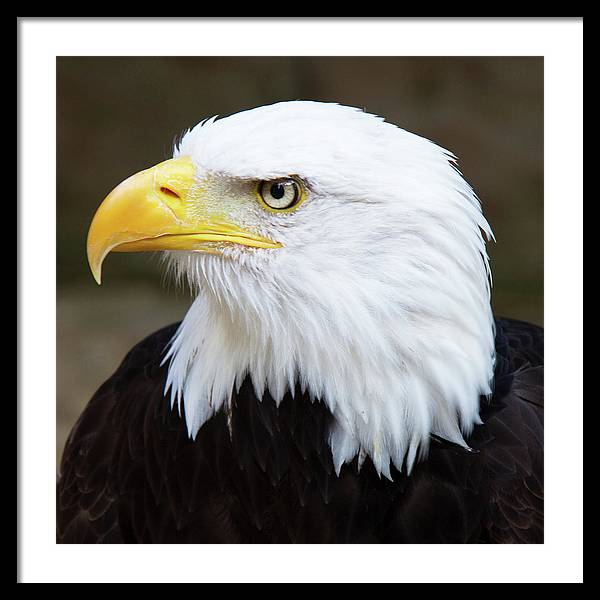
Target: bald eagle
x,y
339,376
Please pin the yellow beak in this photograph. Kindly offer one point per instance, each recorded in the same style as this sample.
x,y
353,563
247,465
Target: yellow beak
x,y
152,211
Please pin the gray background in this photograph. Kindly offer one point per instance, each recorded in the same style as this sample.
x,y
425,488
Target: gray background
x,y
119,115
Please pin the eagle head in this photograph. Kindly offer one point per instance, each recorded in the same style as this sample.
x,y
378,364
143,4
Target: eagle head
x,y
329,252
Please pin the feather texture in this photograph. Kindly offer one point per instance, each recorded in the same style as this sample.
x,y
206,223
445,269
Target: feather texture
x,y
265,472
307,384
382,282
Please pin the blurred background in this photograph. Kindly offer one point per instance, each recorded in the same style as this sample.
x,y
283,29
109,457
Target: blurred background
x,y
119,115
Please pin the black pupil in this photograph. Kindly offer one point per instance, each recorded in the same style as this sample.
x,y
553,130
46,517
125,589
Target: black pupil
x,y
277,191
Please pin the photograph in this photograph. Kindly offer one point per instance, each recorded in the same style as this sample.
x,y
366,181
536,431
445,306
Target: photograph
x,y
286,287
314,352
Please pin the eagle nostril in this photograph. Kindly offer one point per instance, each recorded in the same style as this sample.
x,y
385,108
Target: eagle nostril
x,y
169,192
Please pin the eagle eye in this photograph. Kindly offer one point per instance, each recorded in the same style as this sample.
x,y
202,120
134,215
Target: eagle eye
x,y
280,194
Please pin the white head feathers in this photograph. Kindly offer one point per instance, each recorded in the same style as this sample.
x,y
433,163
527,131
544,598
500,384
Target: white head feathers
x,y
378,301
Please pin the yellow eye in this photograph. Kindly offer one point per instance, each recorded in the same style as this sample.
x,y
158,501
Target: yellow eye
x,y
280,194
